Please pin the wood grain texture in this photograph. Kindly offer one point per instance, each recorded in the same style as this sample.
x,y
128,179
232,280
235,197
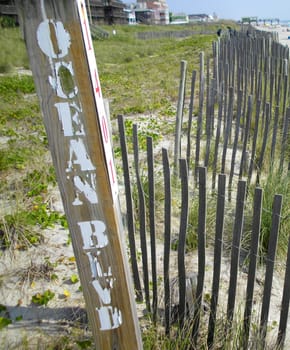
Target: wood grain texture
x,y
108,266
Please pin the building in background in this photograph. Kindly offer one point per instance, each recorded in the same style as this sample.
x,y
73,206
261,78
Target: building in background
x,y
160,8
99,11
178,18
8,8
200,18
150,12
112,11
106,11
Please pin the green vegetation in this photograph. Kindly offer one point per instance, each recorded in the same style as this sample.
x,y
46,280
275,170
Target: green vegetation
x,y
24,141
13,53
43,298
74,279
142,76
227,336
275,183
4,322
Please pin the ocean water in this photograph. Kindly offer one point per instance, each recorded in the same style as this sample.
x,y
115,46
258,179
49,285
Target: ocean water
x,y
285,22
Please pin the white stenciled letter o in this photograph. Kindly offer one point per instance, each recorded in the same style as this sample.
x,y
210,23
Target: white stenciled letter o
x,y
53,39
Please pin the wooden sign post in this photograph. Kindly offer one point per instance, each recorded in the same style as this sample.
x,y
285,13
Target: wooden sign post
x,y
62,60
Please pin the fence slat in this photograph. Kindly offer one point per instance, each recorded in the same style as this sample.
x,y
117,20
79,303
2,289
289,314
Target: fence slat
x,y
254,142
235,144
265,138
142,218
272,80
151,194
246,129
167,238
216,49
210,122
235,253
286,88
129,205
270,260
179,115
190,116
233,64
278,91
226,92
256,224
209,97
245,90
265,89
220,208
274,135
182,241
228,121
201,250
284,139
200,114
285,303
259,87
217,137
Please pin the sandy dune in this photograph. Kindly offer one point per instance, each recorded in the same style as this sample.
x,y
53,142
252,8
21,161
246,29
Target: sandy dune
x,y
283,34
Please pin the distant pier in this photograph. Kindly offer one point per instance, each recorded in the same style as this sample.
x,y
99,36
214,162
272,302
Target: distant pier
x,y
258,21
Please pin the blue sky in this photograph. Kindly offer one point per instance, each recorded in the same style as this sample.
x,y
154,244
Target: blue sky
x,y
234,9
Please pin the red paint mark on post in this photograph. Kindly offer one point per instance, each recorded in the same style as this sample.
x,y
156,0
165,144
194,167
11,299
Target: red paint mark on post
x,y
97,84
85,23
105,129
98,100
112,172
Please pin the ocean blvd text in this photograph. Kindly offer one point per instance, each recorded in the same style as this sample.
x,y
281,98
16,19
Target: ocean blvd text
x,y
55,42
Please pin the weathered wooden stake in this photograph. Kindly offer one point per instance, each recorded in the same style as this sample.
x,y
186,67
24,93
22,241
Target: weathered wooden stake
x,y
201,231
182,241
142,217
219,229
256,225
179,115
270,261
167,238
217,138
254,143
130,213
200,114
151,193
190,116
62,60
235,253
285,304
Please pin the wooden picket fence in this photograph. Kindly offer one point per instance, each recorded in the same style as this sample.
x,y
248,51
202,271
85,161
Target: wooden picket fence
x,y
173,34
243,98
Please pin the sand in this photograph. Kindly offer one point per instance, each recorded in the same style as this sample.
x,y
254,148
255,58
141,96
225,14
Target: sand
x,y
283,32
